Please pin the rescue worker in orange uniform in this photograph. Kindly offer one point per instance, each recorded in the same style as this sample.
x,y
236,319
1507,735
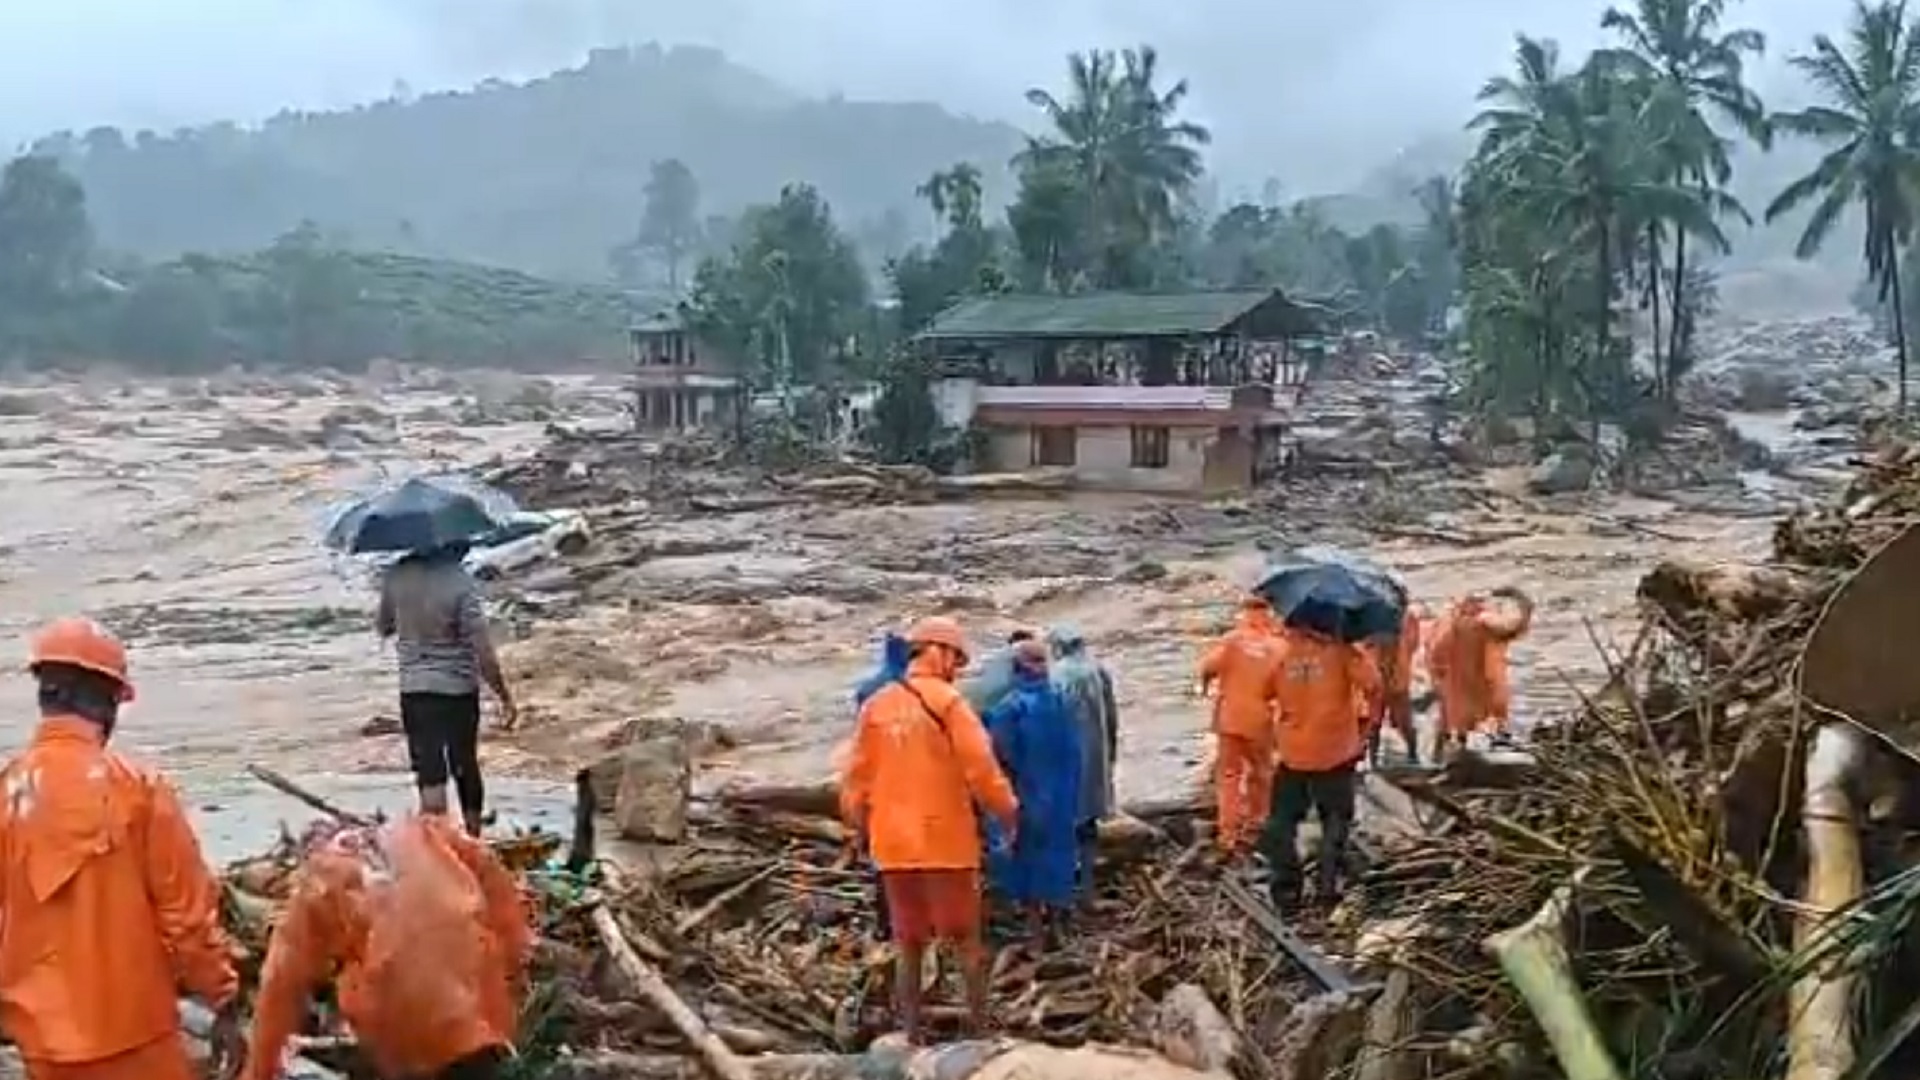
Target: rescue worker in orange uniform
x,y
427,937
919,761
1320,741
1396,657
1468,661
106,906
1245,666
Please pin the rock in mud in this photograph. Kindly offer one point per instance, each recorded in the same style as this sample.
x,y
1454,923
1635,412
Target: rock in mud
x,y
656,780
1562,471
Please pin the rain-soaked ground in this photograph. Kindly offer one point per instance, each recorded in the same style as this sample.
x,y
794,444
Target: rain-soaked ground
x,y
189,522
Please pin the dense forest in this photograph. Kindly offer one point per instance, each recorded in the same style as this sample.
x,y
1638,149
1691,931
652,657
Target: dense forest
x,y
543,176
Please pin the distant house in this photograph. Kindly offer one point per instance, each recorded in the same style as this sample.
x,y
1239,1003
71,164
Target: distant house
x,y
1128,391
681,382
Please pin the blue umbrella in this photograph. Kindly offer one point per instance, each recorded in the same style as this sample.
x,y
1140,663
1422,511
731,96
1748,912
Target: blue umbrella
x,y
1341,596
419,515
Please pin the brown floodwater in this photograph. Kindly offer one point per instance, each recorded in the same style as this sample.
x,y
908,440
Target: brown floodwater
x,y
189,521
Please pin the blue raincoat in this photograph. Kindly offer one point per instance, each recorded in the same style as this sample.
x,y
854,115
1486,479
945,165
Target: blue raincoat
x,y
1087,687
1038,745
893,668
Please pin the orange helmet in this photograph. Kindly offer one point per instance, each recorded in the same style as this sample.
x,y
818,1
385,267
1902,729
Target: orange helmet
x,y
938,630
80,642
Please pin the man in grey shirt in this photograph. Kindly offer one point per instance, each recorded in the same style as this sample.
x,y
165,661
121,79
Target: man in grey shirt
x,y
431,607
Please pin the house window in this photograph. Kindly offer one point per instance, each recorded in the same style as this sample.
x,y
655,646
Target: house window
x,y
1152,447
1055,446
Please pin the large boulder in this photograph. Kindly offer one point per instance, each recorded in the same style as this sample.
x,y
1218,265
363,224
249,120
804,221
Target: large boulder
x,y
1562,471
656,782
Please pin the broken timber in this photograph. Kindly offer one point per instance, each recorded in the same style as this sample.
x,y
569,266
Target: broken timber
x,y
1330,975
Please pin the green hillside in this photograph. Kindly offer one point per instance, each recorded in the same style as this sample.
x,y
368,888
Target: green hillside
x,y
545,176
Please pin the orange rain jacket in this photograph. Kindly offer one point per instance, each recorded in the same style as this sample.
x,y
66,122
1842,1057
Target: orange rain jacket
x,y
106,906
1468,659
1246,664
1396,667
429,935
920,759
1320,681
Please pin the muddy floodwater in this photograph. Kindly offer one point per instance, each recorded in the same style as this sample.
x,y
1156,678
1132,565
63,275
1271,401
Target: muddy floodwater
x,y
189,521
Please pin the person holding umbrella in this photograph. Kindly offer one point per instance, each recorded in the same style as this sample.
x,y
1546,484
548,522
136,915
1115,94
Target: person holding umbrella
x,y
1329,605
431,608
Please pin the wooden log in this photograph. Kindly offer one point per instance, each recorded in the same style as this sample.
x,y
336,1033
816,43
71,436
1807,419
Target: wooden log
x,y
1820,1035
1190,1031
720,1060
820,799
1533,957
1382,1053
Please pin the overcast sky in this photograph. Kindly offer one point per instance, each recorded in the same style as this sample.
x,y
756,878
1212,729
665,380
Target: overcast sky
x,y
1314,92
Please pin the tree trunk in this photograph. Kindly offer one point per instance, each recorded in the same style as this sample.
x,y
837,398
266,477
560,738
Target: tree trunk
x,y
1677,327
1653,305
1900,331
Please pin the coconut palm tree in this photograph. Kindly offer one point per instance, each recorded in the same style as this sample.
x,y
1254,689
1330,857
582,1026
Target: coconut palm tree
x,y
1134,162
1567,176
955,195
1871,122
1679,46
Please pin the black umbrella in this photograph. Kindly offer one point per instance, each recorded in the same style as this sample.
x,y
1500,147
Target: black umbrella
x,y
419,515
1330,593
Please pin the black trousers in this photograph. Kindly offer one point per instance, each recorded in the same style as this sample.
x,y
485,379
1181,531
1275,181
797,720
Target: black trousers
x,y
443,744
1329,794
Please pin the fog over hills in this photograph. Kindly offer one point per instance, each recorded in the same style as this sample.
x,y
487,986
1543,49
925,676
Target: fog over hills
x,y
1320,98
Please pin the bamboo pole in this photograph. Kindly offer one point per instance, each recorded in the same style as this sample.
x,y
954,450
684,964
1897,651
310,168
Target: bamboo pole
x,y
1820,1036
1533,956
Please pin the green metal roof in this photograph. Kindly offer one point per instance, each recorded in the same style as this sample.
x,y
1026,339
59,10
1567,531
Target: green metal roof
x,y
1105,315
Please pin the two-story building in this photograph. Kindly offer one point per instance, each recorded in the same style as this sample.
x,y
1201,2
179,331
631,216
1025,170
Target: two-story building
x,y
1127,391
681,382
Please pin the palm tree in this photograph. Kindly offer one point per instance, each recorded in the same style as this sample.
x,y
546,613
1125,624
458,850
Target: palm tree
x,y
1117,134
1567,176
1678,45
955,194
1871,120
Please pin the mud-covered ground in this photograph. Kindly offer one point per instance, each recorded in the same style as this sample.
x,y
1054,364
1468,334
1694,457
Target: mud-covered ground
x,y
764,626
188,516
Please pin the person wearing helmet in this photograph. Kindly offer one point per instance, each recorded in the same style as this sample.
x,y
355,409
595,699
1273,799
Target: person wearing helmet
x,y
108,904
920,759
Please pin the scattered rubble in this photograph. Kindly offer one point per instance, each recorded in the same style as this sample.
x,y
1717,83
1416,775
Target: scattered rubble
x,y
1654,836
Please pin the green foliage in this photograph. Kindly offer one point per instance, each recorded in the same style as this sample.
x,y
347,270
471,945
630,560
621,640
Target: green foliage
x,y
542,175
1870,122
1584,191
905,428
1106,185
304,301
790,297
670,227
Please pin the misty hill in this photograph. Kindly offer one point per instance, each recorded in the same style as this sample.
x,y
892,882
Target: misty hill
x,y
544,176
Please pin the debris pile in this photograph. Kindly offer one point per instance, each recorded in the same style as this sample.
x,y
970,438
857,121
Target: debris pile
x,y
1653,883
752,944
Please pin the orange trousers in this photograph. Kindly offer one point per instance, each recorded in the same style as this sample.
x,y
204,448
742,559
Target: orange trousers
x,y
162,1059
1243,788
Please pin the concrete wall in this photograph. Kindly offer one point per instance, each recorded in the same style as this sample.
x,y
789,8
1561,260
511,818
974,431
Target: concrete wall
x,y
1198,459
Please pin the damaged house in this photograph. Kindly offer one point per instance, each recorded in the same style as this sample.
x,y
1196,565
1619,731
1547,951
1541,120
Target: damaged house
x,y
1127,391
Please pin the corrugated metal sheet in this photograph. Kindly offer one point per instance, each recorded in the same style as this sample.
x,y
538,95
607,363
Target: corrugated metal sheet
x,y
1096,315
